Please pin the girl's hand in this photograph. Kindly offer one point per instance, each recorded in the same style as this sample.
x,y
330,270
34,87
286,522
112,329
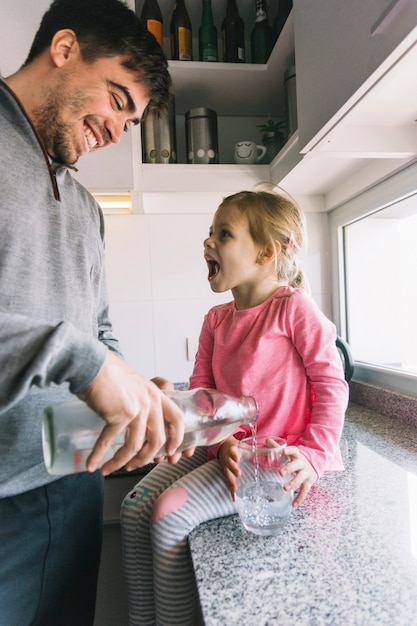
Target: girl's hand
x,y
304,474
228,456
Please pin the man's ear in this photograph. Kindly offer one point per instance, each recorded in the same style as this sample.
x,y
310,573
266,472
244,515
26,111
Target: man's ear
x,y
63,46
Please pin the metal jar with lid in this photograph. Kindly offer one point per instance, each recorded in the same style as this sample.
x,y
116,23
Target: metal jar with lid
x,y
201,136
159,143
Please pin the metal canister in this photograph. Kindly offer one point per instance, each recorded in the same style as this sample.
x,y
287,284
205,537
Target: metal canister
x,y
201,136
159,143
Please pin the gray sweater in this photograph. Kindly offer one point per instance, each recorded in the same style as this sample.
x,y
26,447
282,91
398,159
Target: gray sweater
x,y
54,324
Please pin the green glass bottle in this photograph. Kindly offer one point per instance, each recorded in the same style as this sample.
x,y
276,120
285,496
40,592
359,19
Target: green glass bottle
x,y
207,35
261,36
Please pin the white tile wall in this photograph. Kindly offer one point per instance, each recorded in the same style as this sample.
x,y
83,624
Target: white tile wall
x,y
175,320
128,258
158,285
178,269
134,327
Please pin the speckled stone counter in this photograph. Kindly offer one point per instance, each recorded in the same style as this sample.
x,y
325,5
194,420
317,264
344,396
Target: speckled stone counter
x,y
347,556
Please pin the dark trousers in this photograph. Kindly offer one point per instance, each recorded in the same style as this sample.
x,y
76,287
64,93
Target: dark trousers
x,y
50,545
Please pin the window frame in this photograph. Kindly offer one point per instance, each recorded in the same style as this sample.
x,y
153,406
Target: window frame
x,y
399,186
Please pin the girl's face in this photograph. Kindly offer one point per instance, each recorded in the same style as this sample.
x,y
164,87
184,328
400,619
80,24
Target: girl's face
x,y
232,257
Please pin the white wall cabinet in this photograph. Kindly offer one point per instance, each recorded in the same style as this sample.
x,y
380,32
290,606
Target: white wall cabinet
x,y
355,64
339,45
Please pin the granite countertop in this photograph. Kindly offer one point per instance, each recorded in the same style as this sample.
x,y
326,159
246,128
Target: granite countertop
x,y
346,557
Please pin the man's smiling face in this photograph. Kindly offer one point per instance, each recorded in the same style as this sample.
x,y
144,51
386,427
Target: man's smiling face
x,y
89,109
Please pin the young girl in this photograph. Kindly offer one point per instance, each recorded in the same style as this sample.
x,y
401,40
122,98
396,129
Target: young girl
x,y
271,342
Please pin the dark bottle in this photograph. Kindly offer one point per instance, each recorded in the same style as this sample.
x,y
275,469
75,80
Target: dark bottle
x,y
261,36
151,17
233,35
181,33
284,9
207,35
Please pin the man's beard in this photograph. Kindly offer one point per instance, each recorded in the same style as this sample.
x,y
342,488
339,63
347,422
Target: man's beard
x,y
56,135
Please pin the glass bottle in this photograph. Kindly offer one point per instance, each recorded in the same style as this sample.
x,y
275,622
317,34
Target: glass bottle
x,y
181,33
70,430
233,35
284,9
151,17
207,35
261,36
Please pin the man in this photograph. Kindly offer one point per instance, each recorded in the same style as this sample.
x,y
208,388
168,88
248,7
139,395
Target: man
x,y
91,71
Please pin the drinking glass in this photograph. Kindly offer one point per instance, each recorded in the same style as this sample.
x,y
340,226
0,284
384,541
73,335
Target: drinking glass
x,y
261,500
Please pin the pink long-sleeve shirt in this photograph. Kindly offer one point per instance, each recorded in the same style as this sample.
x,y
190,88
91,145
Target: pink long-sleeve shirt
x,y
283,353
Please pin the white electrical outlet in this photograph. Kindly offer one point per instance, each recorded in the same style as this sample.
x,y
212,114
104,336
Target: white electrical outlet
x,y
192,345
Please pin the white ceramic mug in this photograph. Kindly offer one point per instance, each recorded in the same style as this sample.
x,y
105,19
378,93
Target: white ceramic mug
x,y
248,152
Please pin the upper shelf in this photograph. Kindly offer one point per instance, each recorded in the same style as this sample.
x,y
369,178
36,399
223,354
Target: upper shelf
x,y
236,89
246,10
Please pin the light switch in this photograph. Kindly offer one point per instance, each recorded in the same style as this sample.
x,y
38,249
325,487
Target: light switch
x,y
192,345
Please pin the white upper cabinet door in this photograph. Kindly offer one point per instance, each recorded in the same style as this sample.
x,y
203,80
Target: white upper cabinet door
x,y
338,46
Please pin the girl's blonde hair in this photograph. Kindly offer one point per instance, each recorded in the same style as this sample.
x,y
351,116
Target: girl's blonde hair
x,y
272,218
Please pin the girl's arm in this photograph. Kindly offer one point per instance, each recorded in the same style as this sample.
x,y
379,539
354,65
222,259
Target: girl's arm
x,y
314,337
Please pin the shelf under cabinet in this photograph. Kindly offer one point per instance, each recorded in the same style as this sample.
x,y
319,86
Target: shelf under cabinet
x,y
189,189
200,178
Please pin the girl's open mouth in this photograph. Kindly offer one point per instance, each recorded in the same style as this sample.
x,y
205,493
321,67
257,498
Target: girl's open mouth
x,y
213,268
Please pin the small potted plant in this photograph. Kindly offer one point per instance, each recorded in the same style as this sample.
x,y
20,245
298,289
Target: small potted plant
x,y
272,137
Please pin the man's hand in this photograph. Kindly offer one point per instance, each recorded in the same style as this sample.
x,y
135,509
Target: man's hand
x,y
127,400
167,385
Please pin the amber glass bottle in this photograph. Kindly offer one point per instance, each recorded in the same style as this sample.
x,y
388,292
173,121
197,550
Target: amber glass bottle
x,y
151,17
181,33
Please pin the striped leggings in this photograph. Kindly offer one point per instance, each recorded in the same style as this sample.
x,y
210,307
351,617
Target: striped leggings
x,y
157,516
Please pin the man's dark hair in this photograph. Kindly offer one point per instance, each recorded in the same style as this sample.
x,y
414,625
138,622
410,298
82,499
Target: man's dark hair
x,y
106,28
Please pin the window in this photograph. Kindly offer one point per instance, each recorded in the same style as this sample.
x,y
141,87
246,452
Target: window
x,y
375,280
380,252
